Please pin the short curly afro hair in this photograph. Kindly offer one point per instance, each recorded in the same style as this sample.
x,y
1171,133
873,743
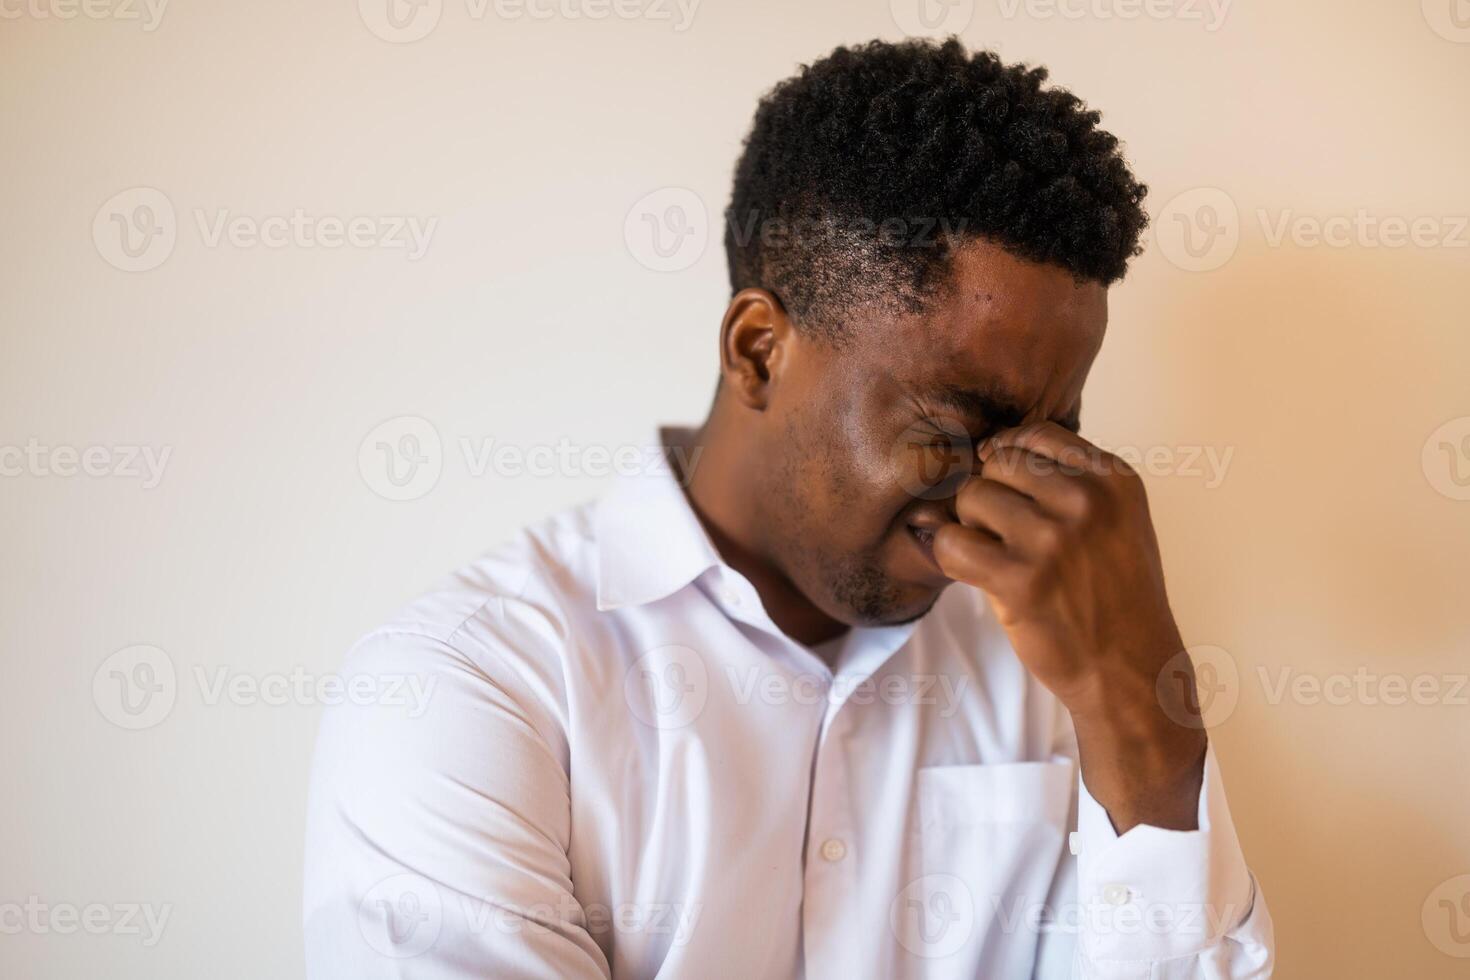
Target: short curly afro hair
x,y
865,169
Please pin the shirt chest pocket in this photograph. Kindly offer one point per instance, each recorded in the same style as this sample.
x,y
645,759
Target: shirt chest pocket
x,y
998,828
990,839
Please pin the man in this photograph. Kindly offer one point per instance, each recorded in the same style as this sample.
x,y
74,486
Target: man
x,y
825,695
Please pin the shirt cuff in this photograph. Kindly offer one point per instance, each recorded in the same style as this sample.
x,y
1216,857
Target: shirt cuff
x,y
1154,894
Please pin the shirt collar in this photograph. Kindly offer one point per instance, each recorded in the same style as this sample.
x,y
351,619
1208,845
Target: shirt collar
x,y
650,542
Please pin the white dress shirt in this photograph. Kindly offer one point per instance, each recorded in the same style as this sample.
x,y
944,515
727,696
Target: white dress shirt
x,y
623,768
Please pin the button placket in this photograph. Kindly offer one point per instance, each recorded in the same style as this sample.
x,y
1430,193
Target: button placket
x,y
830,868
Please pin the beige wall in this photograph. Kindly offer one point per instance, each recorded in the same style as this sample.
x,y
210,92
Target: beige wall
x,y
1330,535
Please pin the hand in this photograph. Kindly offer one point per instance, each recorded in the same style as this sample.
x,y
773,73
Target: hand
x,y
1057,532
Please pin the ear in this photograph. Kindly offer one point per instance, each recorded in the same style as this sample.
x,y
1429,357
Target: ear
x,y
756,338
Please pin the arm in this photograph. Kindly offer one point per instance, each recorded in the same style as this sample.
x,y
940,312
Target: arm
x,y
437,831
1155,904
1057,532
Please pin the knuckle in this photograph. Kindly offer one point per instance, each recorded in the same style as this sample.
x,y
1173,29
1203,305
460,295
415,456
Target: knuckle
x,y
1074,461
1049,538
970,502
1083,500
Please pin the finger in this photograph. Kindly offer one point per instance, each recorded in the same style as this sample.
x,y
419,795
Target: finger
x,y
1022,472
1044,439
991,505
971,556
1056,489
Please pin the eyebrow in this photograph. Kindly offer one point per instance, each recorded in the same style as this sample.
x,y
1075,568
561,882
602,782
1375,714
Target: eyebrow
x,y
995,408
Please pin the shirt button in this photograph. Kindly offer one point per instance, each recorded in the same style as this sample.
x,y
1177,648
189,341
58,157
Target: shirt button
x,y
1116,894
731,597
834,850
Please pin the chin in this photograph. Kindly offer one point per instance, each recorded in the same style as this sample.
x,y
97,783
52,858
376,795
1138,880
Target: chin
x,y
917,609
893,605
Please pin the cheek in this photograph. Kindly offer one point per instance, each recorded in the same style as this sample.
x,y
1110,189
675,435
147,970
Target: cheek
x,y
850,480
872,488
834,475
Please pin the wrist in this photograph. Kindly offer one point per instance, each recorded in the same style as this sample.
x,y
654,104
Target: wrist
x,y
1141,766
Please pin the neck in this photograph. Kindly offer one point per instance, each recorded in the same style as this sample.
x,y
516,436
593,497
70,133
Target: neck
x,y
728,502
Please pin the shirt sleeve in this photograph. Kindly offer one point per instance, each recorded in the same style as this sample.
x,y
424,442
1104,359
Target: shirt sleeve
x,y
1156,904
438,826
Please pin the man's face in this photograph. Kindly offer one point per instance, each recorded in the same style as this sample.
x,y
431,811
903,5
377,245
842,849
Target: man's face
x,y
871,439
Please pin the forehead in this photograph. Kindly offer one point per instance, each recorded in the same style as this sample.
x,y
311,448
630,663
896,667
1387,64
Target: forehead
x,y
1005,326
